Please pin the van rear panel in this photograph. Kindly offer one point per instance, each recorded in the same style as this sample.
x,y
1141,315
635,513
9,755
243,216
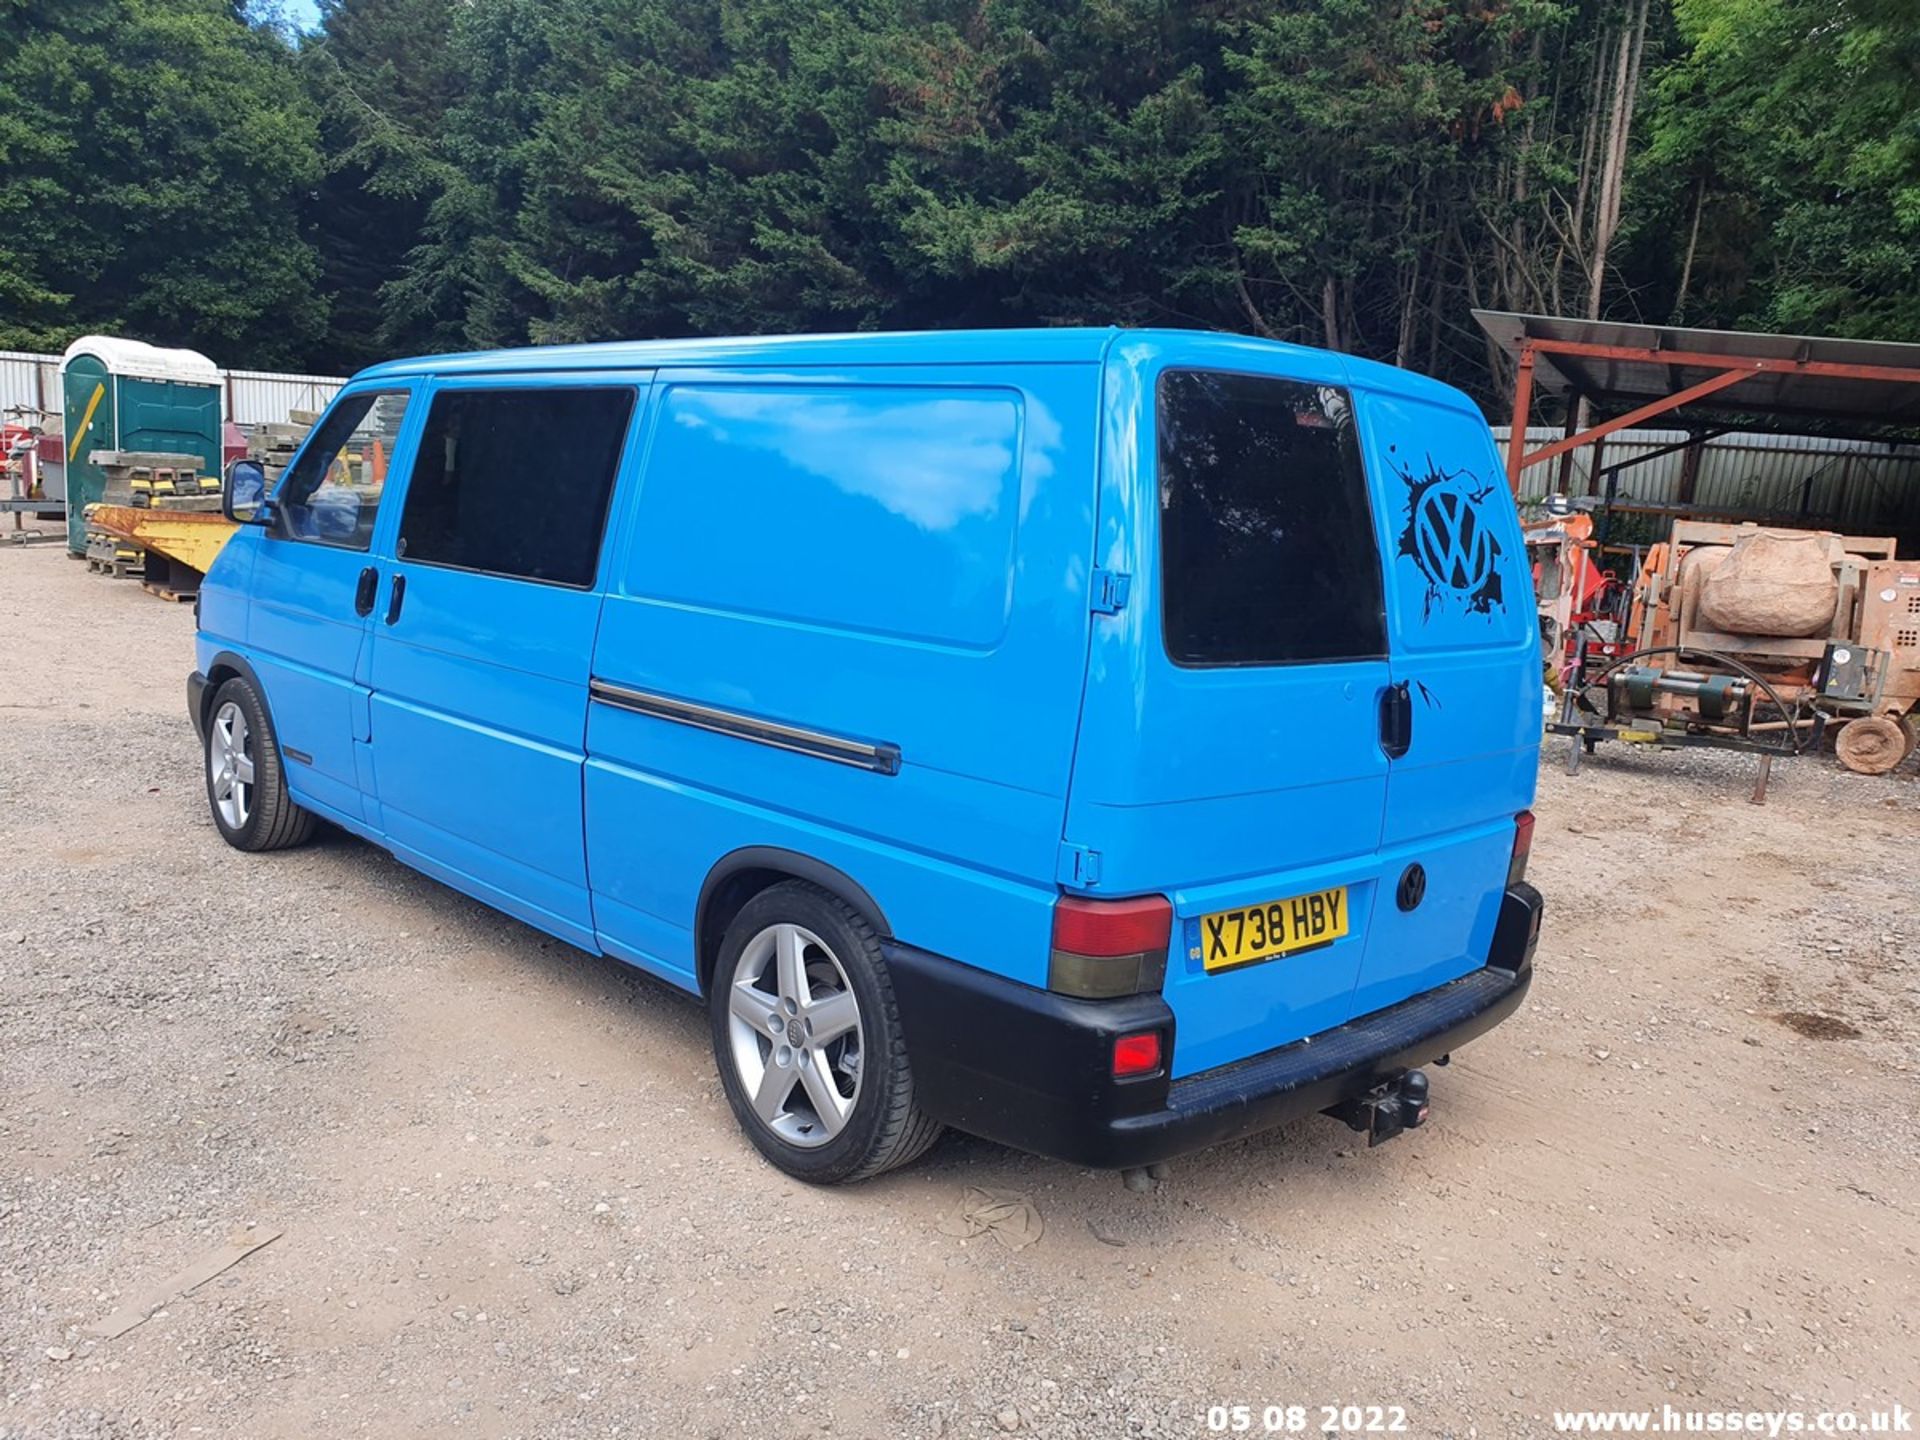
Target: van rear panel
x,y
1245,764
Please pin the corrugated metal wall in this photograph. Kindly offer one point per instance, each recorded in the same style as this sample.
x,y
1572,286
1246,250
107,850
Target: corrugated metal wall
x,y
27,379
253,396
1863,487
258,396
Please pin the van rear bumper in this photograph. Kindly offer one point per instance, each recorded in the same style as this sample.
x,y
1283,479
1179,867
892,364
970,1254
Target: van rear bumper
x,y
1032,1069
197,703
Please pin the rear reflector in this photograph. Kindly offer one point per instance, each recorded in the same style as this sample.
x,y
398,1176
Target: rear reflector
x,y
1136,1055
1103,949
1522,847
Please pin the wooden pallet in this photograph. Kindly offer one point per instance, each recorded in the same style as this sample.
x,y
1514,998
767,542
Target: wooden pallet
x,y
171,578
117,569
107,555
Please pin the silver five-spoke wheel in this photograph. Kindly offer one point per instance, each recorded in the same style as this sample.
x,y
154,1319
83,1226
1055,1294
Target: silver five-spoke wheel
x,y
795,1033
230,764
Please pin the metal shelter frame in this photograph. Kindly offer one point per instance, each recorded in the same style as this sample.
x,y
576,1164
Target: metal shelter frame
x,y
1667,369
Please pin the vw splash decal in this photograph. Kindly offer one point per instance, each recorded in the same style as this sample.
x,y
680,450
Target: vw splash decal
x,y
1450,540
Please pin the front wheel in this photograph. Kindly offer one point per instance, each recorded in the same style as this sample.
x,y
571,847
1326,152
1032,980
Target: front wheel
x,y
246,786
808,1039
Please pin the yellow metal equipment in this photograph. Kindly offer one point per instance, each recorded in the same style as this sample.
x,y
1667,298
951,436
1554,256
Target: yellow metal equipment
x,y
186,540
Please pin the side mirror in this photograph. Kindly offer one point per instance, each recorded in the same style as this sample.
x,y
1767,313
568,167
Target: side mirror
x,y
245,497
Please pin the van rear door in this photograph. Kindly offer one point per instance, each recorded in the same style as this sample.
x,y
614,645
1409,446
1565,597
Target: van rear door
x,y
1466,665
1229,752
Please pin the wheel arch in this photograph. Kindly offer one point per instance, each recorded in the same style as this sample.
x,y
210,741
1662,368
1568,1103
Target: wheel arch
x,y
741,874
225,666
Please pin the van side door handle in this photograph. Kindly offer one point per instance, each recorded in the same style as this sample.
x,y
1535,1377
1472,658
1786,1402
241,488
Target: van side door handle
x,y
363,593
396,598
1396,720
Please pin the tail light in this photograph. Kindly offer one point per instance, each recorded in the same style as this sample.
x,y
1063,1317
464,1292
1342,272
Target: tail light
x,y
1107,948
1136,1055
1522,847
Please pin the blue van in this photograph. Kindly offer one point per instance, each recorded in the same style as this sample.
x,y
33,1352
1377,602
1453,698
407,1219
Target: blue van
x,y
1110,743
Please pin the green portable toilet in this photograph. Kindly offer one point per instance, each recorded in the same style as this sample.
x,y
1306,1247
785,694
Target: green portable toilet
x,y
127,395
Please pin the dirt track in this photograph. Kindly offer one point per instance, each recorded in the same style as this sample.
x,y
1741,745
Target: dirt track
x,y
514,1203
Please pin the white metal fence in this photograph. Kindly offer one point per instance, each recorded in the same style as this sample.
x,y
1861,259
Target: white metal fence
x,y
256,396
253,396
29,381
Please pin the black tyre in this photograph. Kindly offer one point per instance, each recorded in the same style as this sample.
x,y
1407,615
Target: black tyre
x,y
246,786
807,1038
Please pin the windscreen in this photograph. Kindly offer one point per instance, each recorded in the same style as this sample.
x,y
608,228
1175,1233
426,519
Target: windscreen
x,y
1267,546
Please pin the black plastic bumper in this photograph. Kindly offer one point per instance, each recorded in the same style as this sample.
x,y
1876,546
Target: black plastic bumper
x,y
197,702
1032,1069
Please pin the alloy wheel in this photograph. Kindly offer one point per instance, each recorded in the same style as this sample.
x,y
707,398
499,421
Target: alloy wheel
x,y
230,765
795,1034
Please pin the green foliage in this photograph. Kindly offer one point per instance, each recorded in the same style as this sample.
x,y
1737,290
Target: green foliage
x,y
382,74
1797,122
152,155
445,174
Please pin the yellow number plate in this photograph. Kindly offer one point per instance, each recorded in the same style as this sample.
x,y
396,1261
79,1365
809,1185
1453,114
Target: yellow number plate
x,y
1260,932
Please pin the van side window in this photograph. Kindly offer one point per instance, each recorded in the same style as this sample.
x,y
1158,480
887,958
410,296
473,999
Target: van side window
x,y
516,482
1266,540
331,496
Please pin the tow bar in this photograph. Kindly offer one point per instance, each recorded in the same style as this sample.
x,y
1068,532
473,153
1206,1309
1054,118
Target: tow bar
x,y
1387,1109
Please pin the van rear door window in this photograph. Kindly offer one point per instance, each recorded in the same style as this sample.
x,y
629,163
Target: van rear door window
x,y
1267,546
515,482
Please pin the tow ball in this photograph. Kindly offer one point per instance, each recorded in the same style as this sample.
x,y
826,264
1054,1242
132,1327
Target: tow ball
x,y
1387,1109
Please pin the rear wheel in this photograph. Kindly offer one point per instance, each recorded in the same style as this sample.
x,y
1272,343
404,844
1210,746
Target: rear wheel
x,y
246,786
808,1039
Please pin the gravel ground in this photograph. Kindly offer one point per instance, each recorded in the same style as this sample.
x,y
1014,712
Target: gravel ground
x,y
513,1203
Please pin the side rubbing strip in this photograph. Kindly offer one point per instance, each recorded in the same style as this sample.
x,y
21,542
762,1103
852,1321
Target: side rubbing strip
x,y
881,759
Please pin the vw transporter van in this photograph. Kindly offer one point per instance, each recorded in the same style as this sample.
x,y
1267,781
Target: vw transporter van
x,y
1110,743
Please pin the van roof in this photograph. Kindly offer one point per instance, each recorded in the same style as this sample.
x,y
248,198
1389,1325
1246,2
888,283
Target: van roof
x,y
1081,345
1062,345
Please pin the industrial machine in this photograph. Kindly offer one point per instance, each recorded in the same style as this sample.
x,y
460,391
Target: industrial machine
x,y
1582,606
1758,639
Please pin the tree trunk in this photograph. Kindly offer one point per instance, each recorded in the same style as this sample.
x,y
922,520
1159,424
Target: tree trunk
x,y
1693,244
1606,220
1403,350
1590,133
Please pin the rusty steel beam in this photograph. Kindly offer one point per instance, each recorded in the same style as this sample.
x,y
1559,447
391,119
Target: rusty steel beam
x,y
1516,461
1522,406
1697,360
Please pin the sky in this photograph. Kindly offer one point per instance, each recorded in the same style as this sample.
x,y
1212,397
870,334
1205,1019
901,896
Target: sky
x,y
303,14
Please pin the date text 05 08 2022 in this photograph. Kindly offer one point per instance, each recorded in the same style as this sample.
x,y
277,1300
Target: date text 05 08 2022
x,y
1302,1419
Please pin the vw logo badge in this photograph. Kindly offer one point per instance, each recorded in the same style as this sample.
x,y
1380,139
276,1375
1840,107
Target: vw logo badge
x,y
1413,886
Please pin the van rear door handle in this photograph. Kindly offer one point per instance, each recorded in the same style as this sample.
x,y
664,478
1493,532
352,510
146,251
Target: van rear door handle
x,y
363,593
1396,720
396,597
